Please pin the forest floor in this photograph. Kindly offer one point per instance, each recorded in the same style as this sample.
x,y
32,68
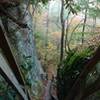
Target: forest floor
x,y
49,84
50,92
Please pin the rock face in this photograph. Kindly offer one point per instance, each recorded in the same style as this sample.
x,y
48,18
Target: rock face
x,y
7,2
23,47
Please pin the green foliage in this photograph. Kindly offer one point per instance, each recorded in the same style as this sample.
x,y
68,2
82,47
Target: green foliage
x,y
71,68
77,7
26,68
94,12
69,4
98,0
6,92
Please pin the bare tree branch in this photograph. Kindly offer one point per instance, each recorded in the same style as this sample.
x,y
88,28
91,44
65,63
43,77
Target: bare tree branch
x,y
74,30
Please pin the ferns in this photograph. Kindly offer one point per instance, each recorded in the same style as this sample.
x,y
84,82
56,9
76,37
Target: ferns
x,y
71,68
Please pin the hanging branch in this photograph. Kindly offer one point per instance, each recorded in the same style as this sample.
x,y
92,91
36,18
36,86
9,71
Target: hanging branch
x,y
74,31
71,20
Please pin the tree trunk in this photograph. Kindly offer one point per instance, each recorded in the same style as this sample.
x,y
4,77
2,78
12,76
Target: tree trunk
x,y
94,24
66,35
84,24
62,30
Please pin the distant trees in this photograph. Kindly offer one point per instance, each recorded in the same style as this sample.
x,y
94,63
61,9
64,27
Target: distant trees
x,y
69,5
88,9
78,91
